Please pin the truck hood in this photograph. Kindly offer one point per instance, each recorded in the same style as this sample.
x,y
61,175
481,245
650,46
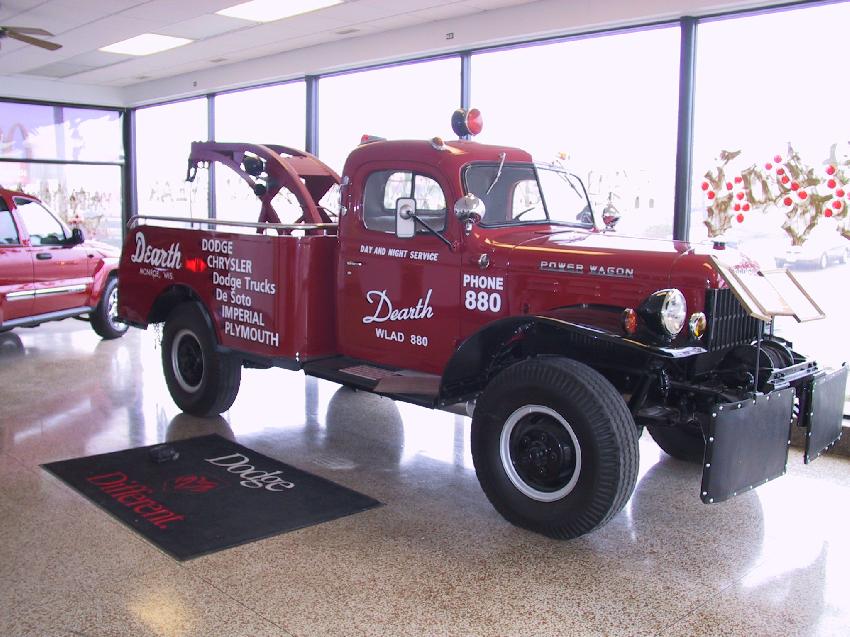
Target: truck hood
x,y
658,262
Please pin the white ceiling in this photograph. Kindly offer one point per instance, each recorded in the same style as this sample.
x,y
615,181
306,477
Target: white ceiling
x,y
229,53
83,26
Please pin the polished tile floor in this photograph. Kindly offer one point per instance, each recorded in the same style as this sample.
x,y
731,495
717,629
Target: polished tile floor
x,y
435,560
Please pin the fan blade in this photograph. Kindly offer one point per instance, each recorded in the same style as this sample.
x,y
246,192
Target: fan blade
x,y
44,44
28,30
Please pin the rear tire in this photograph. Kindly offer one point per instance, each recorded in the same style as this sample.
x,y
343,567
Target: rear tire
x,y
683,444
555,447
201,380
104,319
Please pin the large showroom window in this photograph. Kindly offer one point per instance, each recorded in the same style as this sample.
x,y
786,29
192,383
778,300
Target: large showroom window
x,y
267,115
771,156
411,101
163,138
605,107
69,157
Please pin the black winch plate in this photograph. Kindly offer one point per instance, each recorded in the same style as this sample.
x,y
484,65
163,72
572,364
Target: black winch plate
x,y
824,412
747,444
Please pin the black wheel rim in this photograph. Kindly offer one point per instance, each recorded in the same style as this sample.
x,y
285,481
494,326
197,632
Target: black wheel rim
x,y
540,453
187,361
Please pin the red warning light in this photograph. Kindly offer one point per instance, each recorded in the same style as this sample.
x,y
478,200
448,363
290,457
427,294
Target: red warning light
x,y
196,264
468,122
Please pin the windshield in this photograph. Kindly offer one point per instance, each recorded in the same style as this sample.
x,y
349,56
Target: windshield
x,y
528,193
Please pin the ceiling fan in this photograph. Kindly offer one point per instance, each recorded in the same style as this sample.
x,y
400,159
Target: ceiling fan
x,y
24,34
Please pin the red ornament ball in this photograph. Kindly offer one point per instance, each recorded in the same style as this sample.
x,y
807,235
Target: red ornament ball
x,y
827,213
710,195
830,170
795,186
740,218
787,201
728,185
839,192
746,207
738,180
780,171
768,166
777,158
705,185
785,179
737,207
836,204
740,196
802,194
831,183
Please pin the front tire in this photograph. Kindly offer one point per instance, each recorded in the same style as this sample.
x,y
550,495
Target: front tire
x,y
554,447
685,444
104,319
201,380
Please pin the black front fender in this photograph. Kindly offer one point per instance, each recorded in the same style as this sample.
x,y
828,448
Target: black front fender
x,y
508,340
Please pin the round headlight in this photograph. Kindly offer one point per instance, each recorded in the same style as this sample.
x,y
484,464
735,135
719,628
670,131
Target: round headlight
x,y
674,311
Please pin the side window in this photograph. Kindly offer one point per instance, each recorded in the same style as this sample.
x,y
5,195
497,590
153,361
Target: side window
x,y
43,227
385,187
8,231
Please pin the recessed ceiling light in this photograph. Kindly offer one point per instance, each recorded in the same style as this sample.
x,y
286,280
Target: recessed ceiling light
x,y
271,10
145,44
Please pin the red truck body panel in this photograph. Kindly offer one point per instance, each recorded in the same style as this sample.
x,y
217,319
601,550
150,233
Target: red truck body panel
x,y
267,295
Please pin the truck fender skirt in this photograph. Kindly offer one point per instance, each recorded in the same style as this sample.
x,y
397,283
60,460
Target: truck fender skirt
x,y
478,354
747,444
823,411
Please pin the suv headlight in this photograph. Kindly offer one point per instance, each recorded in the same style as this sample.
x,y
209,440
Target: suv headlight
x,y
665,311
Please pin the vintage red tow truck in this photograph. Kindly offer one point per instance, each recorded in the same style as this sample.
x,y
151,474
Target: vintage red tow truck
x,y
458,272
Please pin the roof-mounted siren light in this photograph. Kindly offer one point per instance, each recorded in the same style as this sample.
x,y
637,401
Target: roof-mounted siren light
x,y
366,138
467,123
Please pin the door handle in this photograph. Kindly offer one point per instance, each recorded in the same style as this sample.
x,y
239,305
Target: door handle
x,y
43,256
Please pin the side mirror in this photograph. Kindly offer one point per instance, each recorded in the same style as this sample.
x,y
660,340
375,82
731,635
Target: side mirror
x,y
468,207
77,236
405,224
610,216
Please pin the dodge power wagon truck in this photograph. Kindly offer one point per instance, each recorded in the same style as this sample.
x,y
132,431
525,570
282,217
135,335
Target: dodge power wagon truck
x,y
49,272
462,273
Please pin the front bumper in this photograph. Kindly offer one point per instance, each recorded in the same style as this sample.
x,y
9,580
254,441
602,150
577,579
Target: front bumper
x,y
747,441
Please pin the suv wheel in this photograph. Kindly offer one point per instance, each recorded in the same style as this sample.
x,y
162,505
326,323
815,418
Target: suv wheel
x,y
104,319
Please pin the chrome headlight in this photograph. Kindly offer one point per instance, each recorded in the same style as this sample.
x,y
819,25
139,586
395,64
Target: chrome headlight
x,y
674,310
665,311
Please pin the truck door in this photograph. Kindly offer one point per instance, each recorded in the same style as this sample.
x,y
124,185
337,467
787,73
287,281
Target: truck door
x,y
399,296
61,275
15,269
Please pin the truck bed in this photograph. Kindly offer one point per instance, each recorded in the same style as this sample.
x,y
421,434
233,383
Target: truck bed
x,y
268,295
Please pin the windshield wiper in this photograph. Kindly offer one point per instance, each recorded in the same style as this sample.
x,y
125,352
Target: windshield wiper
x,y
502,157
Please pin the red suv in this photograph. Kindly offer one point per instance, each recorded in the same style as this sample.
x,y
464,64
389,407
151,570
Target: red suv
x,y
50,272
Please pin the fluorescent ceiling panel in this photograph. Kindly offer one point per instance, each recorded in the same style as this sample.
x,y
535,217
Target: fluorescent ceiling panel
x,y
271,10
145,44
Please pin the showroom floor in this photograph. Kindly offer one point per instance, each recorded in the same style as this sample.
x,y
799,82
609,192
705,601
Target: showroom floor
x,y
436,559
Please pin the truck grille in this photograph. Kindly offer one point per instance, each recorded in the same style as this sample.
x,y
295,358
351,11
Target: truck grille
x,y
728,322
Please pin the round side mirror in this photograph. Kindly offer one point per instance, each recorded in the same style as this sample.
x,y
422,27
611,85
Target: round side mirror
x,y
610,216
469,206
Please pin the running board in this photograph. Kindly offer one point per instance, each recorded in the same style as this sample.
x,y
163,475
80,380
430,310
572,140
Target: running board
x,y
400,384
32,321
